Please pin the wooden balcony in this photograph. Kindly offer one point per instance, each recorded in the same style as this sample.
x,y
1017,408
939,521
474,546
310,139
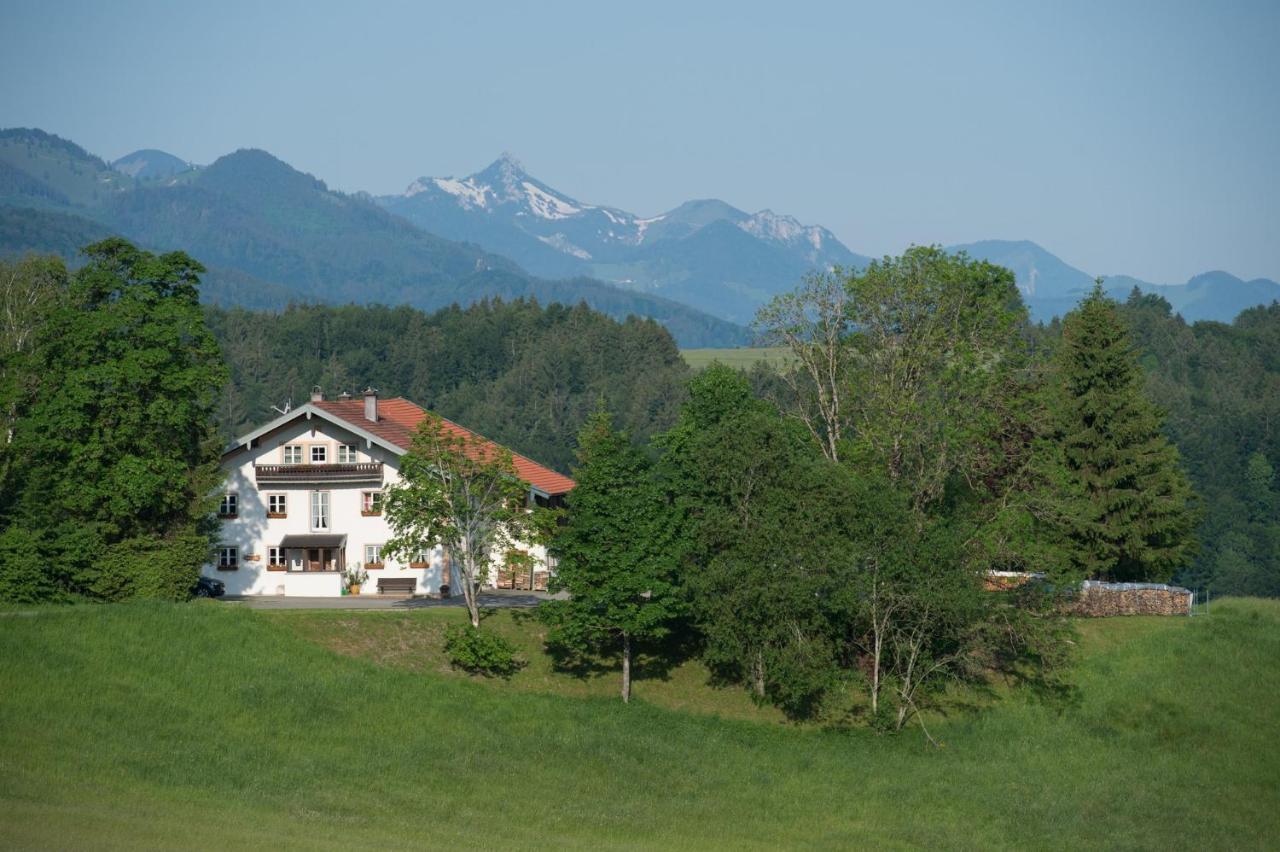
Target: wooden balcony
x,y
292,474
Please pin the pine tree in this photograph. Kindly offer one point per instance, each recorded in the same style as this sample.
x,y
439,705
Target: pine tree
x,y
615,551
1136,514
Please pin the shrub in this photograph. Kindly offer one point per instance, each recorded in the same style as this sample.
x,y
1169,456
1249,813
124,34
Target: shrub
x,y
26,574
481,652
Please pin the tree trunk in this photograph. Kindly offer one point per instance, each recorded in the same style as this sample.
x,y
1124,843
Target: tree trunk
x,y
626,668
469,588
877,642
757,674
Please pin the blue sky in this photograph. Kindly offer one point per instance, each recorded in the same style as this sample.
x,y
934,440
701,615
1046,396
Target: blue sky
x,y
1141,138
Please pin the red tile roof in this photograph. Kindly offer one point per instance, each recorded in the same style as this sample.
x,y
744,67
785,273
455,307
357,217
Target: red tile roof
x,y
398,418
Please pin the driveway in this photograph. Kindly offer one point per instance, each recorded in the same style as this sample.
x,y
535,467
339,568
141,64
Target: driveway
x,y
496,599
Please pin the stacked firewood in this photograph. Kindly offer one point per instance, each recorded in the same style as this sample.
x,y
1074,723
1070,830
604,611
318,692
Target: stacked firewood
x,y
1106,599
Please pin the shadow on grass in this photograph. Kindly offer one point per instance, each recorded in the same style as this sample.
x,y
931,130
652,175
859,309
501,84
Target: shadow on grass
x,y
650,661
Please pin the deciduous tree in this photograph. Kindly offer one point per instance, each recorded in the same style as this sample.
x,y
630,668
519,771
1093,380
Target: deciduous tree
x,y
117,452
615,550
461,491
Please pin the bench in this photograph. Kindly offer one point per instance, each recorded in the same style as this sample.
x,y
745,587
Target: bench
x,y
397,585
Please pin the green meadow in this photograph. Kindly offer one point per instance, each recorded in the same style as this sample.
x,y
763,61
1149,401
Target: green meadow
x,y
744,357
208,725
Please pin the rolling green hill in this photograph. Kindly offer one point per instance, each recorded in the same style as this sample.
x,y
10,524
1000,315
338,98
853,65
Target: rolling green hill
x,y
40,166
209,726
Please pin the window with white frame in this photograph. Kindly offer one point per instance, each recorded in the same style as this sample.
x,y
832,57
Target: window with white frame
x,y
319,511
277,505
421,556
228,558
293,454
346,453
373,554
275,556
371,502
230,505
319,454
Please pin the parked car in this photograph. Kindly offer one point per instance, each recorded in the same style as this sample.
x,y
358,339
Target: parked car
x,y
208,587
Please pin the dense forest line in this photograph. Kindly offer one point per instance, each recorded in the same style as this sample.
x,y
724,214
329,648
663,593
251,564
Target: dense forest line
x,y
529,375
1219,386
523,374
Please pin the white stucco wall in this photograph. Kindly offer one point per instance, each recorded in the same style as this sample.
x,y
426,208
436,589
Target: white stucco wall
x,y
253,532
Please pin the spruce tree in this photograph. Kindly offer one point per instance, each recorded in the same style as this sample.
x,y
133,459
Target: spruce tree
x,y
1135,513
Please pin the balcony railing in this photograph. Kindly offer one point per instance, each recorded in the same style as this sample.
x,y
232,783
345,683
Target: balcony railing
x,y
283,474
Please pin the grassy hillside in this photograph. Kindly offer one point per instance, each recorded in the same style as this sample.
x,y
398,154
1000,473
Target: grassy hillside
x,y
210,726
744,357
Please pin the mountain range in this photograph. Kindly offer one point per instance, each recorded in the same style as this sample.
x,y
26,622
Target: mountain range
x,y
704,253
270,234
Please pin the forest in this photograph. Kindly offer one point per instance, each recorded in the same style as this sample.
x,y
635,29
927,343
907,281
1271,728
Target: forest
x,y
529,375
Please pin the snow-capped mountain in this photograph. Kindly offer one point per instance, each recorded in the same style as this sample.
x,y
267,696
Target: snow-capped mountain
x,y
705,253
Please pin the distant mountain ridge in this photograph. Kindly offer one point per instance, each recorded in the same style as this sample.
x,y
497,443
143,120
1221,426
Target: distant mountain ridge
x,y
729,273
272,234
1051,287
150,164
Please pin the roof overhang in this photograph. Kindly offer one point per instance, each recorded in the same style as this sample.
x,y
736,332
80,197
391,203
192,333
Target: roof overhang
x,y
309,411
314,540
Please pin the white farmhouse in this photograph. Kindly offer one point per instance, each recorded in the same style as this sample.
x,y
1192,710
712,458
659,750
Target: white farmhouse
x,y
303,502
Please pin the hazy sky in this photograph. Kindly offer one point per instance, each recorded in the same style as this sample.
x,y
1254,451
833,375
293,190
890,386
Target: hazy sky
x,y
1141,138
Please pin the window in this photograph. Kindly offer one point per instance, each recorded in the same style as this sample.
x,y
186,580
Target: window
x,y
275,556
293,454
228,558
373,554
371,502
229,506
420,557
319,510
319,454
277,505
346,453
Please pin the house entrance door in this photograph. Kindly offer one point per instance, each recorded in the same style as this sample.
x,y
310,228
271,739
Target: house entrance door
x,y
318,558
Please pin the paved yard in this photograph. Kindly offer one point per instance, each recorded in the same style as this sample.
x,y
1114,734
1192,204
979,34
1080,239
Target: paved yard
x,y
488,600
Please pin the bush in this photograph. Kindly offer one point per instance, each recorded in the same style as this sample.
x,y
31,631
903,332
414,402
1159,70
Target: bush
x,y
481,652
26,571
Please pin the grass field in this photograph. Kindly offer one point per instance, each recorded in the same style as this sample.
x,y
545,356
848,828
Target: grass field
x,y
207,725
744,357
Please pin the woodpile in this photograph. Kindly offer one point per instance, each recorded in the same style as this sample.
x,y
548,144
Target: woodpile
x,y
1099,600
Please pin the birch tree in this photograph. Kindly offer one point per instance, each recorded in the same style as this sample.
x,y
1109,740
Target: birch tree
x,y
812,323
460,491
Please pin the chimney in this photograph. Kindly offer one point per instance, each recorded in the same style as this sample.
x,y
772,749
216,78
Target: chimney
x,y
344,396
371,405
317,395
